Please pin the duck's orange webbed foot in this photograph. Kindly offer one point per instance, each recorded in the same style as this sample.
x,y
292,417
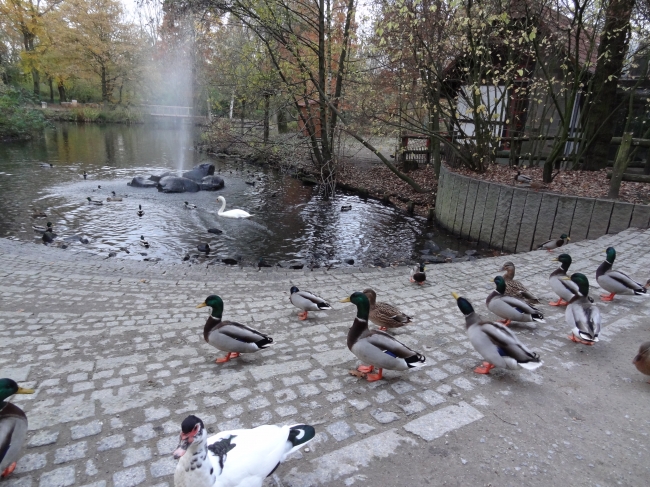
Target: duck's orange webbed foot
x,y
575,339
227,358
421,283
505,323
411,279
366,369
484,369
383,328
608,297
374,377
9,470
559,302
303,315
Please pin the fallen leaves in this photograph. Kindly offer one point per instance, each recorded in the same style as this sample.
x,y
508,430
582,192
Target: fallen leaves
x,y
589,184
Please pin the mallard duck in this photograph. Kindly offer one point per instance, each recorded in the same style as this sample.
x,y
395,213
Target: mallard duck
x,y
516,288
385,315
642,359
46,164
93,202
189,206
143,242
616,282
510,308
238,458
85,175
229,336
554,244
48,237
564,288
13,426
40,229
205,248
522,178
376,347
140,210
418,275
307,302
581,315
38,214
114,197
498,345
346,207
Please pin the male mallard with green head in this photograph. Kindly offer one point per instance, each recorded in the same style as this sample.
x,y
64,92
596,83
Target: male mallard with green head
x,y
565,289
13,426
581,314
418,275
229,336
554,243
616,282
498,345
376,347
510,308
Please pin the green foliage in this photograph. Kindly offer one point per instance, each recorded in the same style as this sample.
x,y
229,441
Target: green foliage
x,y
18,118
98,115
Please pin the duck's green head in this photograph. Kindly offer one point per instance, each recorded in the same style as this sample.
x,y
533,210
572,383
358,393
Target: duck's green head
x,y
611,254
9,387
463,305
88,198
49,224
564,236
216,303
361,301
501,284
582,282
422,269
565,260
142,237
139,207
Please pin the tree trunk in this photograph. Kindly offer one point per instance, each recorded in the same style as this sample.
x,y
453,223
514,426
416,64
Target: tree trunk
x,y
283,128
104,85
243,112
620,165
51,85
61,88
37,83
611,55
267,97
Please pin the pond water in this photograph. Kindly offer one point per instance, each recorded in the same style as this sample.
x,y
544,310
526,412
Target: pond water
x,y
290,222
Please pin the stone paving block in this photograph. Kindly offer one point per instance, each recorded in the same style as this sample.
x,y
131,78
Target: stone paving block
x,y
470,202
621,217
600,218
129,477
581,219
479,209
461,190
563,216
489,212
61,477
513,227
640,216
545,219
501,217
434,425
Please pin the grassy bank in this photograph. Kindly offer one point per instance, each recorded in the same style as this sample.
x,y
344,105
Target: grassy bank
x,y
94,115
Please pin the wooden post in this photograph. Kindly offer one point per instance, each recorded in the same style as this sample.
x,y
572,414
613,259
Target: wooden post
x,y
620,165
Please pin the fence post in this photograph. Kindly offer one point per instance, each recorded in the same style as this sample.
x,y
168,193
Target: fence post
x,y
620,165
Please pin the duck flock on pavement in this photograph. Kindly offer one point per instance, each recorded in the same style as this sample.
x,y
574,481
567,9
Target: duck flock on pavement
x,y
244,458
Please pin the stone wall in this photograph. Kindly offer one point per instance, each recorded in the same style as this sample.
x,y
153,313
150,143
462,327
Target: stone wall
x,y
519,220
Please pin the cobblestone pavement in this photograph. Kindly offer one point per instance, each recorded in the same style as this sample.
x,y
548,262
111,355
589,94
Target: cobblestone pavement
x,y
116,355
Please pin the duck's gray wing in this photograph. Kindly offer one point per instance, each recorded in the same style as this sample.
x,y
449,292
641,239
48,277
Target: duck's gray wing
x,y
387,343
507,342
240,332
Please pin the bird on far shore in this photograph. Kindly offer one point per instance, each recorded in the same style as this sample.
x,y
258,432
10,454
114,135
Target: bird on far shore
x,y
417,274
554,243
140,210
527,181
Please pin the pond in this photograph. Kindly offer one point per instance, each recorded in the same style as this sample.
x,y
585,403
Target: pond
x,y
290,223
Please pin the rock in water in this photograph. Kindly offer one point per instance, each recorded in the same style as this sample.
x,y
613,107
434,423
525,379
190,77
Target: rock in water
x,y
212,183
200,171
175,184
141,182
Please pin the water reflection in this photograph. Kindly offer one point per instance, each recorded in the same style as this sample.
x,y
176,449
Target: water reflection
x,y
290,221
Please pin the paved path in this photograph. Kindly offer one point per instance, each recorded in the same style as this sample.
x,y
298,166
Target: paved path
x,y
115,352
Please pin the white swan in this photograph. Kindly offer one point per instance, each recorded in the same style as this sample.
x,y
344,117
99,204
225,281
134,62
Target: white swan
x,y
231,213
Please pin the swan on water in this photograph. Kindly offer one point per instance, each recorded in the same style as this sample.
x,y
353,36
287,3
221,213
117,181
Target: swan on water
x,y
231,213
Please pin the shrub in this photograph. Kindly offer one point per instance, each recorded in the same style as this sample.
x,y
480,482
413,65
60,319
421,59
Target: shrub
x,y
18,120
